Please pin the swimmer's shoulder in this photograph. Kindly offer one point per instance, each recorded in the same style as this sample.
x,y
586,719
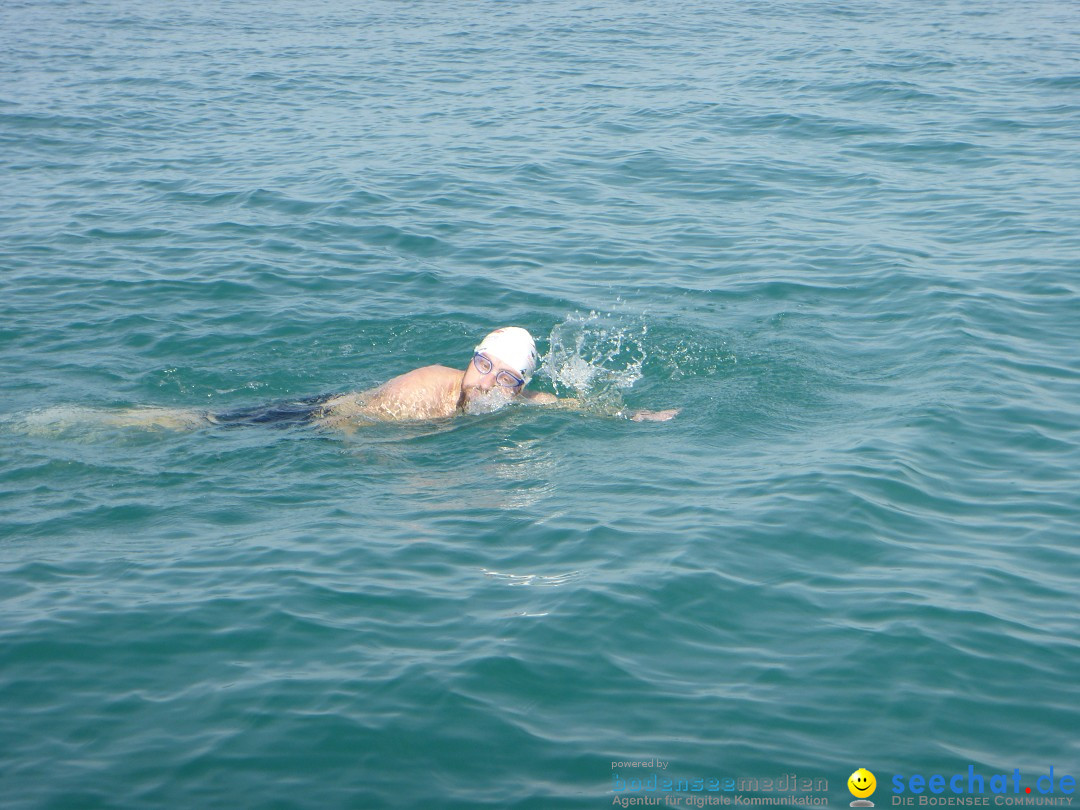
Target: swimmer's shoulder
x,y
428,371
423,377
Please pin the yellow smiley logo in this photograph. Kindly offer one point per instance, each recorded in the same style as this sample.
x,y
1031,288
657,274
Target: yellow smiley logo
x,y
861,783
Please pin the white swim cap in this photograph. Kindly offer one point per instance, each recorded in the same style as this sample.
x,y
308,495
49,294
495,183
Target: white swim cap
x,y
514,346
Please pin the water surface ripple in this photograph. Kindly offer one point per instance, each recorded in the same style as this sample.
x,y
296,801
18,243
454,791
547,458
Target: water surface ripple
x,y
841,237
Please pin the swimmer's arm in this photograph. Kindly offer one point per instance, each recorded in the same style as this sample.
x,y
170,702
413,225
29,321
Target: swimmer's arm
x,y
544,398
653,416
575,404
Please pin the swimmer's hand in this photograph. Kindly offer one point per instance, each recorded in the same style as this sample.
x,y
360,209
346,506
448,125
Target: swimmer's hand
x,y
654,416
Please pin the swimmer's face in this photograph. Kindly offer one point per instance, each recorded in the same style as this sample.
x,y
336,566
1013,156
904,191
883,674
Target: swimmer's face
x,y
485,388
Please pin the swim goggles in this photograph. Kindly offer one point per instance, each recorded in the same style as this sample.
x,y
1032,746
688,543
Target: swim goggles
x,y
504,378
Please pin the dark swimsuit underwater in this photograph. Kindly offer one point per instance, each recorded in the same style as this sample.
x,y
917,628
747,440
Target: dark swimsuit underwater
x,y
285,413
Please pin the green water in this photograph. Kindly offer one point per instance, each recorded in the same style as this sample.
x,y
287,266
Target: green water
x,y
840,237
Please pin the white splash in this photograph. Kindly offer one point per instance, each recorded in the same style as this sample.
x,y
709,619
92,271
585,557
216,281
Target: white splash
x,y
595,355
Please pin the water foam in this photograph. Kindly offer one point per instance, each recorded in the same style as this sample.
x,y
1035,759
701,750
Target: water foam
x,y
482,402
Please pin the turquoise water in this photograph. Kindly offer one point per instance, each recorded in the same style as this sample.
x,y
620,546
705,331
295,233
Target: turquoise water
x,y
841,237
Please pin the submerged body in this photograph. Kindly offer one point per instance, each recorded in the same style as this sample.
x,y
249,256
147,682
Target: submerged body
x,y
431,392
500,369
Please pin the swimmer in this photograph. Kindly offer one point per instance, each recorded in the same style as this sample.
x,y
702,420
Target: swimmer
x,y
497,374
